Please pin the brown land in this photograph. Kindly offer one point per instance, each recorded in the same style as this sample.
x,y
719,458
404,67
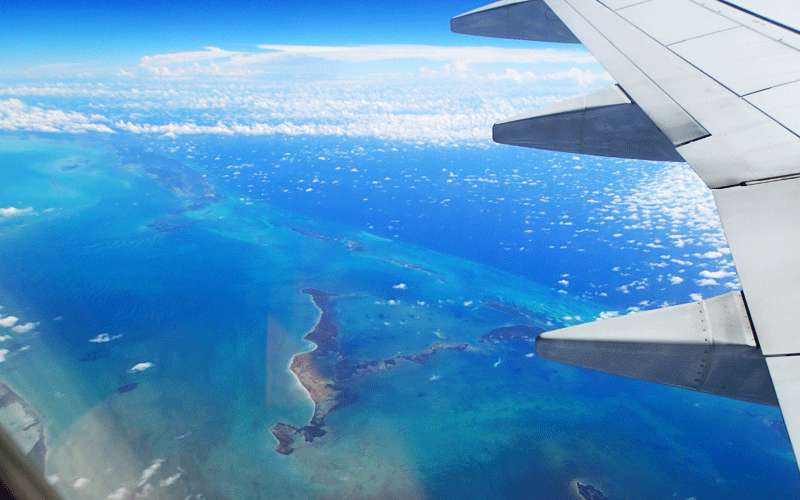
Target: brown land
x,y
323,372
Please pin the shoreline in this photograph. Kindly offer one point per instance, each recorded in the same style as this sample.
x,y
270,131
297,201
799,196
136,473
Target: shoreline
x,y
322,370
320,387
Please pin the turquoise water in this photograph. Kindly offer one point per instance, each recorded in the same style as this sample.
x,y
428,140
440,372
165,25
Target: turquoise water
x,y
203,280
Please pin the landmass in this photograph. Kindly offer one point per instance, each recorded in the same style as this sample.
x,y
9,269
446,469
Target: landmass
x,y
349,244
584,491
346,369
20,419
324,373
127,388
522,333
190,186
313,370
510,309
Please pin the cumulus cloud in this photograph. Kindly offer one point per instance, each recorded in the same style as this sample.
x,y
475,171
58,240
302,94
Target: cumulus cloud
x,y
716,274
169,481
15,115
14,211
120,493
214,61
150,471
80,482
8,321
24,328
140,367
3,355
104,338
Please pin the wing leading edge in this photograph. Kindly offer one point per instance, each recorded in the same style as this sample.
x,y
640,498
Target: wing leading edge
x,y
717,84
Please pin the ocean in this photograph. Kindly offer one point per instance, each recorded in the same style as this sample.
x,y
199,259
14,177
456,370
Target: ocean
x,y
164,279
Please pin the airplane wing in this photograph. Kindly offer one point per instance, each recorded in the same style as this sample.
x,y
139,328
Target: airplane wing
x,y
715,83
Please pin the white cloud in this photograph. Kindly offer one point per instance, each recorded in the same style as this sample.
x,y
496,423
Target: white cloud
x,y
400,286
120,493
15,115
214,61
140,367
104,337
80,483
150,471
3,355
14,211
716,274
8,321
706,282
675,280
169,481
24,328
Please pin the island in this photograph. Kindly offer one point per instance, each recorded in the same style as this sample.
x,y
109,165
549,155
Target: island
x,y
582,490
324,372
519,333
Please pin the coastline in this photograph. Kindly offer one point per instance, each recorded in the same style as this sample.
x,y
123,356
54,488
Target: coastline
x,y
322,372
310,374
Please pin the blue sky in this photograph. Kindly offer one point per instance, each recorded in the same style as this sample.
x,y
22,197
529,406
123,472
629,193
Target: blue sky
x,y
62,32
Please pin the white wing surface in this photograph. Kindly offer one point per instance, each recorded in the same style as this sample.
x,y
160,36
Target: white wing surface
x,y
715,83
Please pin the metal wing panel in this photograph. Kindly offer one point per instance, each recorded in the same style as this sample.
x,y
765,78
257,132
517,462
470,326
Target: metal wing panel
x,y
741,59
705,346
784,12
781,103
696,20
745,143
761,223
670,117
519,19
605,123
785,373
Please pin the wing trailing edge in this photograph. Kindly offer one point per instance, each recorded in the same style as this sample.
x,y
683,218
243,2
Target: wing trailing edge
x,y
706,346
518,19
605,123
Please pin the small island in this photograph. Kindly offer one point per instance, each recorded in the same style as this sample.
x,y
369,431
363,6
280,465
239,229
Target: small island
x,y
520,333
324,372
582,490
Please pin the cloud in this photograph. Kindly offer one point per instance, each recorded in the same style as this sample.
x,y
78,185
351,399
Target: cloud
x,y
8,321
717,274
24,328
104,337
3,355
169,481
214,61
120,493
14,211
80,483
150,471
140,367
15,115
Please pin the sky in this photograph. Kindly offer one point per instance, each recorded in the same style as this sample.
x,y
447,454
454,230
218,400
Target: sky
x,y
391,70
68,32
